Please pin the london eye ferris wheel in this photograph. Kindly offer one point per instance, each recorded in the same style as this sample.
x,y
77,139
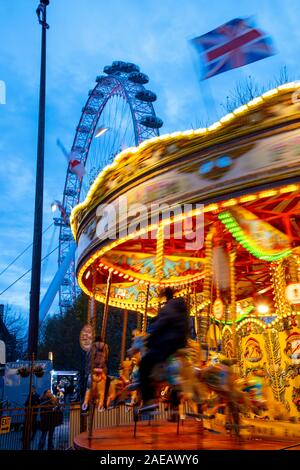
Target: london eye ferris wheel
x,y
118,113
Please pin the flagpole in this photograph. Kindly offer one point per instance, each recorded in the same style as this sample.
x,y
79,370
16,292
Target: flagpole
x,y
39,189
205,89
208,100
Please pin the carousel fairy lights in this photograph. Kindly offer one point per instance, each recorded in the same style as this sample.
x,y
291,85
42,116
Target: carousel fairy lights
x,y
241,178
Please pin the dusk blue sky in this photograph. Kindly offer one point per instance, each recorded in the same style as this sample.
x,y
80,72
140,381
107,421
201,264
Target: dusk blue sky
x,y
84,36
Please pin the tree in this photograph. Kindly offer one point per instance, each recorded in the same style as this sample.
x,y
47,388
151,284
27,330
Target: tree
x,y
16,338
247,89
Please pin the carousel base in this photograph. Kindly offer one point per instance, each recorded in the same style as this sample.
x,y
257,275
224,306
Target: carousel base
x,y
188,435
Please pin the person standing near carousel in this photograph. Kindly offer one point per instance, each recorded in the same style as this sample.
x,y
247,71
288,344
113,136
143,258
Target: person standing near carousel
x,y
50,417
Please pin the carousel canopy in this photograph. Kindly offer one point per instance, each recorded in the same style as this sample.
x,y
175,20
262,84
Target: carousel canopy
x,y
172,211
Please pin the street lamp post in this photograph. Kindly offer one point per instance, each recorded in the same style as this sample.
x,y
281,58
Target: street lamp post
x,y
39,189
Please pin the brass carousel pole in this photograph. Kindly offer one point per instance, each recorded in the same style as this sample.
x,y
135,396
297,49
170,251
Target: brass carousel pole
x,y
139,321
92,320
282,310
232,257
282,307
195,312
144,327
159,252
218,296
123,343
159,259
294,275
105,313
204,315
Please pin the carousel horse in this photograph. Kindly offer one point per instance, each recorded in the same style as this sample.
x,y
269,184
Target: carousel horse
x,y
177,372
228,392
103,389
262,404
129,376
205,389
126,371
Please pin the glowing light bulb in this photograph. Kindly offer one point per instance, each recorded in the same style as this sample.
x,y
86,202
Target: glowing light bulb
x,y
100,131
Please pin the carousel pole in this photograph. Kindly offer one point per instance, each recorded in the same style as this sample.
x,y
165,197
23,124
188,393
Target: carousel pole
x,y
92,320
218,297
294,277
282,307
204,315
139,321
123,343
282,310
144,327
159,258
195,312
105,313
232,258
188,298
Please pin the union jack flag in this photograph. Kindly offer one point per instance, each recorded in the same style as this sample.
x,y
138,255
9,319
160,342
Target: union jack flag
x,y
232,45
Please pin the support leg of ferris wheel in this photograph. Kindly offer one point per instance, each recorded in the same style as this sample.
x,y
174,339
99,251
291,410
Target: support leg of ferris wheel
x,y
56,283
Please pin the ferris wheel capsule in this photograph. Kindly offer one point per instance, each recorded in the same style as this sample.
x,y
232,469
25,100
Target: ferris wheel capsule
x,y
138,77
146,95
96,93
151,121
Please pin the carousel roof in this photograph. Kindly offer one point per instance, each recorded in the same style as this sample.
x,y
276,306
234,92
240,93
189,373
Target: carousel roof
x,y
243,169
269,110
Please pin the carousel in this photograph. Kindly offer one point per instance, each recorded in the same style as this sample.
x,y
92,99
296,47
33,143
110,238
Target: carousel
x,y
214,214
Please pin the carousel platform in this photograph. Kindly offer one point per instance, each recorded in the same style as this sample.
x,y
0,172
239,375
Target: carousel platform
x,y
163,435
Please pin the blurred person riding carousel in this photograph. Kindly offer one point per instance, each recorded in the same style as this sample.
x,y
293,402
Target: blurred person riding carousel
x,y
167,334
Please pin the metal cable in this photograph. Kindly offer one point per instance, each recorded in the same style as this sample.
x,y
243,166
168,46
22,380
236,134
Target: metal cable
x,y
24,251
24,274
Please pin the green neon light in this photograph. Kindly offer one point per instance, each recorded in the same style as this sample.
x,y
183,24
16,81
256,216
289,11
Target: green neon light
x,y
242,317
238,233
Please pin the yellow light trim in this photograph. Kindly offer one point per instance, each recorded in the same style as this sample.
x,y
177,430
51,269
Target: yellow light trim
x,y
211,208
202,130
248,198
230,203
270,93
174,134
214,126
255,101
242,109
227,117
268,193
287,86
289,189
